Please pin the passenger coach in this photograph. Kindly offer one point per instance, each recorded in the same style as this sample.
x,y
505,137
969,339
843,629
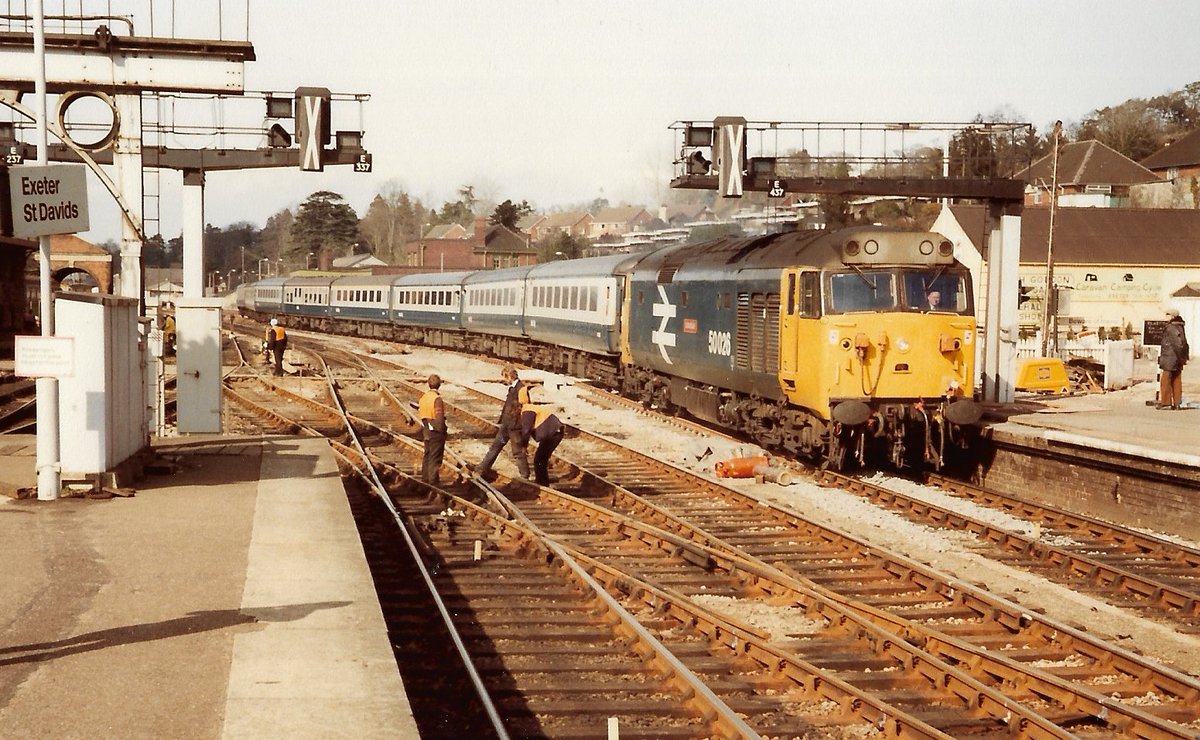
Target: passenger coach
x,y
494,305
361,297
307,296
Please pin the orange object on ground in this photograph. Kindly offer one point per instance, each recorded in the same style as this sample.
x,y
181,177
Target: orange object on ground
x,y
739,467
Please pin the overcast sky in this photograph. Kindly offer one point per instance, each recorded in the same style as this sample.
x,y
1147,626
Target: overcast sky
x,y
562,102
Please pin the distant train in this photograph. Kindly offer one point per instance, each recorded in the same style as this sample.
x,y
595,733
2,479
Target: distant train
x,y
851,347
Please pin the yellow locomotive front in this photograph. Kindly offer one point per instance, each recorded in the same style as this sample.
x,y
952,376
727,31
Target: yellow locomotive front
x,y
882,347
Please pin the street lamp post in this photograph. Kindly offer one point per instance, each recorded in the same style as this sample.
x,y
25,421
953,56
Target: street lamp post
x,y
309,260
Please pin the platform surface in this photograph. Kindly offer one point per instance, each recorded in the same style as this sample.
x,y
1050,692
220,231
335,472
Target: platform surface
x,y
229,598
1125,421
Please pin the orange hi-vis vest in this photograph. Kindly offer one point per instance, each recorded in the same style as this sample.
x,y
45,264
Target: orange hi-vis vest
x,y
427,411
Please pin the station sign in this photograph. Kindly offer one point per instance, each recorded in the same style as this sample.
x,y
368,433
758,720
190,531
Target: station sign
x,y
43,357
48,199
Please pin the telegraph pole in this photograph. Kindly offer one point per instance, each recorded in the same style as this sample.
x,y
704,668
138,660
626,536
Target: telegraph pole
x,y
1050,297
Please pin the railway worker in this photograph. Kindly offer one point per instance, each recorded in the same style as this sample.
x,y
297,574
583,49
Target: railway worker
x,y
933,299
169,335
1171,359
277,341
432,413
540,422
509,424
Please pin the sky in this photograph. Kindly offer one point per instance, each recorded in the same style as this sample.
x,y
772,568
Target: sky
x,y
559,103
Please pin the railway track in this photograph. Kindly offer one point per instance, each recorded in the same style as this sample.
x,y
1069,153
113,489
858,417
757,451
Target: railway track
x,y
981,649
1150,575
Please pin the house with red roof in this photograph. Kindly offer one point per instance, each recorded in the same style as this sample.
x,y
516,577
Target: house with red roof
x,y
1178,164
1120,266
1090,174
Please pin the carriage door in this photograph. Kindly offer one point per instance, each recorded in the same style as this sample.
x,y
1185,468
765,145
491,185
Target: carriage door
x,y
798,332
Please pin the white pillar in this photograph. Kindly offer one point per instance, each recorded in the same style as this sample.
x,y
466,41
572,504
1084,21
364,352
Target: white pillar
x,y
49,479
193,234
127,166
1000,359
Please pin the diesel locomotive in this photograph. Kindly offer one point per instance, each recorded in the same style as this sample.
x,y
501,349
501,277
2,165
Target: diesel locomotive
x,y
851,347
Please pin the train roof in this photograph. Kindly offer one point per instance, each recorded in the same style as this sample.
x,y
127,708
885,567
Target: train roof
x,y
372,280
431,278
498,276
584,267
323,281
275,282
810,248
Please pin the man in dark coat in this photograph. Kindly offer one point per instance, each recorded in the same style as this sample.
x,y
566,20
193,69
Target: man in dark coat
x,y
1173,356
509,427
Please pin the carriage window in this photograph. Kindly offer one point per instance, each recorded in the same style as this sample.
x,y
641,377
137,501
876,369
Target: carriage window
x,y
861,291
593,294
574,297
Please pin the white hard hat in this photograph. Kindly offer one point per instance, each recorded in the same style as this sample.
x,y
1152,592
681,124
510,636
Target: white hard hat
x,y
274,322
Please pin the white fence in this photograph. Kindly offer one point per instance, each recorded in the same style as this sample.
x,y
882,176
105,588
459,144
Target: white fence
x,y
1116,357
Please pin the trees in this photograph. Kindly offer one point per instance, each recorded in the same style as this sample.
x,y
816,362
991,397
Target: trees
x,y
324,222
275,240
562,246
461,211
508,214
392,220
1130,128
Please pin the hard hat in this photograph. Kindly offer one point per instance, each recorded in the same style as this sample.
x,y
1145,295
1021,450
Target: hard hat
x,y
274,322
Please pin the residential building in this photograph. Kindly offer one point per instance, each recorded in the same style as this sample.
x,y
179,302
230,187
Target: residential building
x,y
1120,266
357,263
487,247
615,222
576,224
1178,164
1090,174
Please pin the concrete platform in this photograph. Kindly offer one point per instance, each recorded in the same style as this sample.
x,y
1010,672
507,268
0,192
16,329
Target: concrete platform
x,y
1121,421
228,599
1111,455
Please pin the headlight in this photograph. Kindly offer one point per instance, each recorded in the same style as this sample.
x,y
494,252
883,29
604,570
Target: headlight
x,y
902,345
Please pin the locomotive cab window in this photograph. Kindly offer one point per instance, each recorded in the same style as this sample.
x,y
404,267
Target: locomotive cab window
x,y
862,290
936,290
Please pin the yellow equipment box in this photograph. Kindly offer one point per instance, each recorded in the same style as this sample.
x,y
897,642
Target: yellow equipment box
x,y
1043,374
